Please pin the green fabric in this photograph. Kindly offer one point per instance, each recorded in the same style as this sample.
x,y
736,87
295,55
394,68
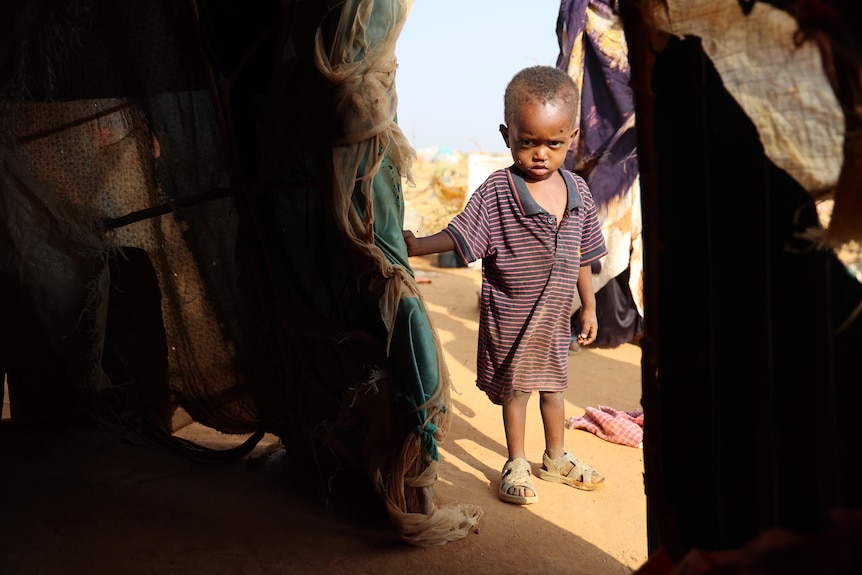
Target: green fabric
x,y
414,370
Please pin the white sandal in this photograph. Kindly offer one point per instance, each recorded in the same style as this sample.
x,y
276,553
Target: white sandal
x,y
580,476
516,473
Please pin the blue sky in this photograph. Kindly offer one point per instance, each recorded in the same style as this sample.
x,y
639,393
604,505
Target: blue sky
x,y
455,58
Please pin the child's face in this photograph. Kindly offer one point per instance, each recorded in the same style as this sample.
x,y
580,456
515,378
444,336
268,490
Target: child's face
x,y
539,136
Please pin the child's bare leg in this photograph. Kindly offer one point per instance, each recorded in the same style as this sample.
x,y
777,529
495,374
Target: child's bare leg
x,y
562,467
553,408
515,426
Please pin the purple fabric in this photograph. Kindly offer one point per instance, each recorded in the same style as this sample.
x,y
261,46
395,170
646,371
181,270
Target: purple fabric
x,y
604,156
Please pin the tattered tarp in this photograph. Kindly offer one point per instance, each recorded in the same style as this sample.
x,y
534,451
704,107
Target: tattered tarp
x,y
801,89
808,115
202,209
798,79
713,194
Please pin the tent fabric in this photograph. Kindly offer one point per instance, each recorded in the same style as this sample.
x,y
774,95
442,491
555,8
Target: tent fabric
x,y
369,156
695,136
781,86
158,155
802,90
798,78
54,265
593,52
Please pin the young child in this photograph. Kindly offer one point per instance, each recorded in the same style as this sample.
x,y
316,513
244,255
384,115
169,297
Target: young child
x,y
534,225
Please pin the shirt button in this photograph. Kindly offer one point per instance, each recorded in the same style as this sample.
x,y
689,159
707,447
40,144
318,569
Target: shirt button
x,y
552,220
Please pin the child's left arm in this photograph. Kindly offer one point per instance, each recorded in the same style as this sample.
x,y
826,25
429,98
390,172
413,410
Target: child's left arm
x,y
589,320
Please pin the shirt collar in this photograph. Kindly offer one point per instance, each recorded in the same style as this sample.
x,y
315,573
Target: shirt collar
x,y
529,206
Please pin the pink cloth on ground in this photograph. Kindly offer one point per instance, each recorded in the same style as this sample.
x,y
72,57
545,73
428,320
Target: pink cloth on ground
x,y
624,427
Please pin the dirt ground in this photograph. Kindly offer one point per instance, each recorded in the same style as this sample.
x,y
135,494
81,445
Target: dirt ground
x,y
87,501
109,501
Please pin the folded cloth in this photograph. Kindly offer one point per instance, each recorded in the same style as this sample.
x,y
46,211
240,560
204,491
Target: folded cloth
x,y
624,427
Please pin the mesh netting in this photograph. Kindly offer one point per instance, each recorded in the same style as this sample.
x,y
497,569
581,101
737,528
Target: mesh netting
x,y
202,203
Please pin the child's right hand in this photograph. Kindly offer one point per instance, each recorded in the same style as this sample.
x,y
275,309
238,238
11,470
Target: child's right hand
x,y
411,242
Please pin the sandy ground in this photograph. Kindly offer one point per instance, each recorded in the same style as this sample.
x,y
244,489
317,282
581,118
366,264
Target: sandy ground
x,y
86,501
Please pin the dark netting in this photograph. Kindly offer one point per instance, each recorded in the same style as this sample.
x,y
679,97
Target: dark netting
x,y
202,212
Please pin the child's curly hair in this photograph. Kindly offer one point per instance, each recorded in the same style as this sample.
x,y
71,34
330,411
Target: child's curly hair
x,y
541,84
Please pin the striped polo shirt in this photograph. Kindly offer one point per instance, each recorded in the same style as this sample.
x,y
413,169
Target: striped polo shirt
x,y
530,270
